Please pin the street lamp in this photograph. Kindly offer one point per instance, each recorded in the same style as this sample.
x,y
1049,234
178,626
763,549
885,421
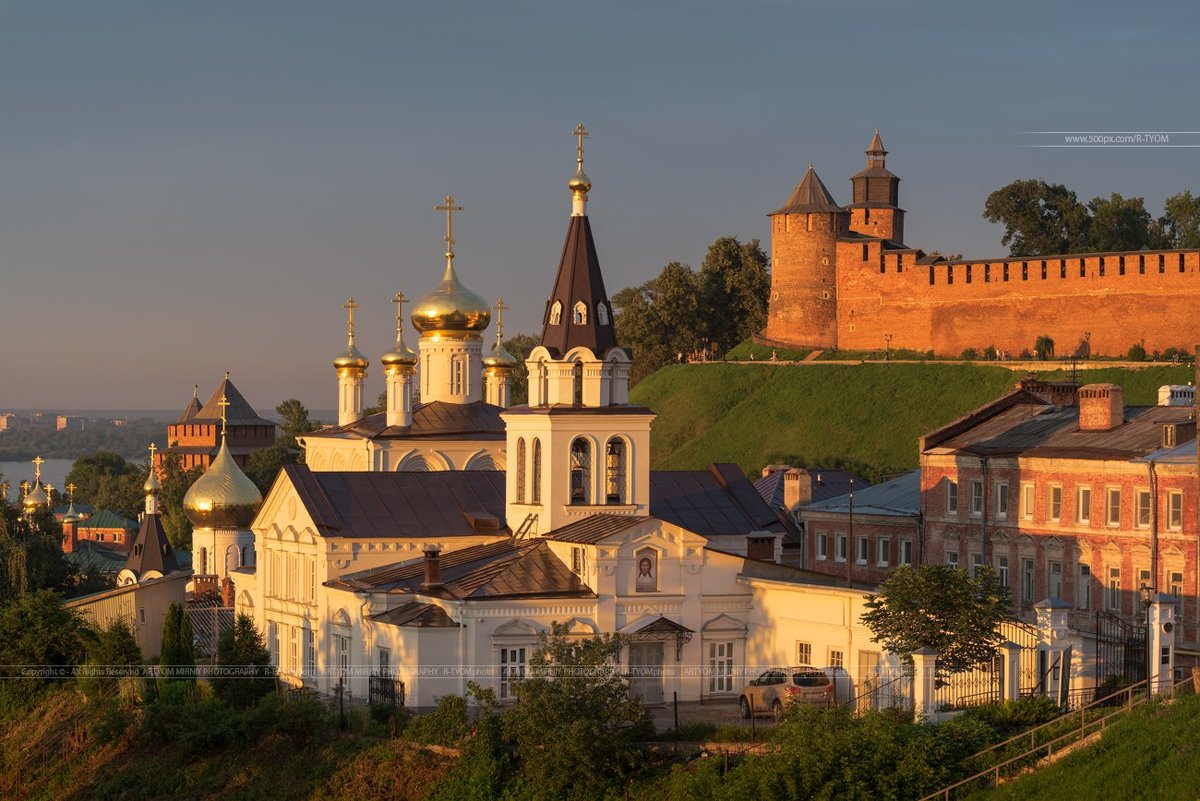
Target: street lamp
x,y
888,339
1147,593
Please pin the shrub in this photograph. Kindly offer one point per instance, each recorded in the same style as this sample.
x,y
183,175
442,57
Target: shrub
x,y
1137,353
970,355
1010,717
1043,347
445,725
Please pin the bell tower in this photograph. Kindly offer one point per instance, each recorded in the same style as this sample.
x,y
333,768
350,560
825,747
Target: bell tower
x,y
875,210
578,448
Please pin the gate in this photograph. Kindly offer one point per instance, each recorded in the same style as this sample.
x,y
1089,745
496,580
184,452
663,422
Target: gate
x,y
982,684
1120,650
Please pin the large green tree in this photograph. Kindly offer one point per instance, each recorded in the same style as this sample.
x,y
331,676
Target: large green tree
x,y
109,651
178,655
1118,223
36,630
734,284
107,481
1179,226
175,484
939,607
241,650
1038,218
519,346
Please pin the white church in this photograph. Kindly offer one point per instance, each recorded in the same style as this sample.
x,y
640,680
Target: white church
x,y
434,541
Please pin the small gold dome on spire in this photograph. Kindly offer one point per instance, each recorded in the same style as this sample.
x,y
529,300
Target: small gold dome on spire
x,y
351,358
450,306
500,357
579,184
401,355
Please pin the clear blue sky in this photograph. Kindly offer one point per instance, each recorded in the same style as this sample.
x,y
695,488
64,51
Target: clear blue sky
x,y
190,187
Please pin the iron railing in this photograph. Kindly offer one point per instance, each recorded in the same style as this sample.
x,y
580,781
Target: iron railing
x,y
385,691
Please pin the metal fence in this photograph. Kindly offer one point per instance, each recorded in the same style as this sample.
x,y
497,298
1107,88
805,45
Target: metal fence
x,y
208,624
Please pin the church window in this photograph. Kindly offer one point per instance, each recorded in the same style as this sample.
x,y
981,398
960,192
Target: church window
x,y
537,471
720,667
310,655
203,561
521,470
577,383
458,376
142,615
556,313
615,471
602,314
512,671
581,471
578,561
580,314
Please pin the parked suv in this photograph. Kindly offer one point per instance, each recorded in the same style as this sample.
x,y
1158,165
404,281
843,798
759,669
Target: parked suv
x,y
776,688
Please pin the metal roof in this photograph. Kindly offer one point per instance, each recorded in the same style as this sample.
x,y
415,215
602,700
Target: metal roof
x,y
898,497
434,420
417,615
107,518
579,279
713,502
238,412
595,528
151,550
809,196
825,484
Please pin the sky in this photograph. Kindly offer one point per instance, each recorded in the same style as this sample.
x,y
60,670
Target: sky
x,y
193,187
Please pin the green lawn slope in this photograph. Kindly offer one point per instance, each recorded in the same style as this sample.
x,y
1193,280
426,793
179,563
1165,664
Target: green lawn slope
x,y
866,417
1153,754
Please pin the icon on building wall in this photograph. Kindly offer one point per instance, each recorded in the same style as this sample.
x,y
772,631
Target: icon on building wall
x,y
647,570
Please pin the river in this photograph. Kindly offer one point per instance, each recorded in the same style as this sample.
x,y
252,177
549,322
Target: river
x,y
54,472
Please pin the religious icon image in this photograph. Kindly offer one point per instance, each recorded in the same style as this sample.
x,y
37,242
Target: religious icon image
x,y
647,571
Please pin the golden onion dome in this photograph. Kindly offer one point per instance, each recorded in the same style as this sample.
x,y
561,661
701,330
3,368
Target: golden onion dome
x,y
499,357
223,497
351,358
152,486
401,355
72,516
35,497
451,307
580,183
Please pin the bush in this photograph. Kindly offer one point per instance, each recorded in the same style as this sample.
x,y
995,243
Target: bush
x,y
1137,353
970,355
301,718
445,725
1043,347
1010,717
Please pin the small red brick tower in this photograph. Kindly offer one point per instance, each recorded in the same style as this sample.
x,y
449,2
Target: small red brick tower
x,y
804,234
875,210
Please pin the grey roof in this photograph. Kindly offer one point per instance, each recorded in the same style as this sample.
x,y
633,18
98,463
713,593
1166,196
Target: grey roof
x,y
595,528
417,615
713,502
825,484
579,278
190,411
151,550
434,420
899,497
1180,454
809,196
238,412
402,504
506,569
89,555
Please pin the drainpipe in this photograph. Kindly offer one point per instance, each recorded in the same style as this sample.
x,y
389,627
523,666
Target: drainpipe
x,y
850,548
983,529
1153,525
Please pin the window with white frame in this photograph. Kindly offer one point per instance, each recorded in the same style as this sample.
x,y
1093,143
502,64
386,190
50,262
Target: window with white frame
x,y
1054,504
1113,601
310,654
1141,511
976,498
884,547
273,641
720,667
1027,500
837,658
803,653
512,670
1083,505
1176,584
952,559
1175,510
1054,578
521,470
385,662
1002,569
951,496
580,314
1027,580
341,655
842,546
906,552
579,560
1112,507
581,471
863,546
976,564
556,313
1002,500
293,649
614,471
1083,593
822,546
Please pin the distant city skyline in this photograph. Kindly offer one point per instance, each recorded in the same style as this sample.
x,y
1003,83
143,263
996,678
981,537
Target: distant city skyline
x,y
192,188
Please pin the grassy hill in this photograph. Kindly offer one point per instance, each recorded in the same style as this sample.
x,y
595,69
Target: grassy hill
x,y
1155,753
863,417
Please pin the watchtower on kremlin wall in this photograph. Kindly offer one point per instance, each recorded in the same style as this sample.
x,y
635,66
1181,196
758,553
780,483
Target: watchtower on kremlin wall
x,y
842,277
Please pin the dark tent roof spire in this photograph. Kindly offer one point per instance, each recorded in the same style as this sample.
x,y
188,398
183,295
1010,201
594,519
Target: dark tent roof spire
x,y
809,197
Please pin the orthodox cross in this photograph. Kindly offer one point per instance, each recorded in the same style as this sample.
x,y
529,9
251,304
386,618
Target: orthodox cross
x,y
224,404
350,306
449,207
399,300
37,468
71,489
582,133
152,449
500,307
50,495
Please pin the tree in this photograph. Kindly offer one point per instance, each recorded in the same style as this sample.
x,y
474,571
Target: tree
x,y
1118,223
574,717
178,654
1039,219
111,648
939,607
265,464
175,484
660,319
1179,227
735,285
295,420
1043,347
241,650
31,556
36,629
519,346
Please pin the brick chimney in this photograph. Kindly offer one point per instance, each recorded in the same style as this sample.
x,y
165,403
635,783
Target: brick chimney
x,y
227,592
433,573
1101,407
797,488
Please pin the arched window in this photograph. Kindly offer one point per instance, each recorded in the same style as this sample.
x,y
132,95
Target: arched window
x,y
537,471
521,470
580,315
577,384
614,469
581,472
601,314
556,313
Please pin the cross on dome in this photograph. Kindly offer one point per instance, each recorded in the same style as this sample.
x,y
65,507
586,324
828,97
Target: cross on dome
x,y
449,207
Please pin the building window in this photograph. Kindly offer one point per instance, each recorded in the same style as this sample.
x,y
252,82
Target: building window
x,y
142,615
458,376
976,498
866,253
556,313
885,551
615,471
822,547
1083,505
294,649
578,561
601,314
1055,505
952,559
1113,601
581,471
906,555
1175,510
1144,579
1002,501
803,653
341,650
310,654
1027,501
273,641
841,548
1027,579
1176,585
976,564
1143,508
863,548
1002,569
521,470
951,497
536,489
512,671
579,316
1083,595
720,666
836,658
1054,579
385,662
1112,507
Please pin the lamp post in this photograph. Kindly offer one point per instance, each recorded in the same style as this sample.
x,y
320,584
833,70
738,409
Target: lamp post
x,y
887,338
1147,593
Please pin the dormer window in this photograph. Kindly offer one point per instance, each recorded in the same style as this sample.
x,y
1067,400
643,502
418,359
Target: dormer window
x,y
556,313
580,314
601,314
